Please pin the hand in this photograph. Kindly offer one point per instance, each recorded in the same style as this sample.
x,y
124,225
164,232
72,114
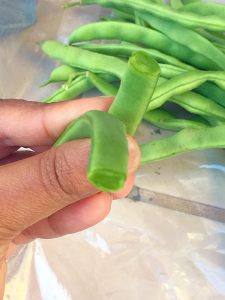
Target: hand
x,y
44,193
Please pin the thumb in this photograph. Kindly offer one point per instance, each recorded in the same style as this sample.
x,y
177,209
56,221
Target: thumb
x,y
36,187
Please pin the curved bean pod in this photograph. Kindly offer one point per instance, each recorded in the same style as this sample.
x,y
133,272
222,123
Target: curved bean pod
x,y
182,83
184,141
137,34
187,19
137,87
76,57
127,50
181,35
108,162
163,119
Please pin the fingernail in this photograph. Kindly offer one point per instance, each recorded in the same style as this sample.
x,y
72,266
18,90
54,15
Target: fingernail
x,y
135,156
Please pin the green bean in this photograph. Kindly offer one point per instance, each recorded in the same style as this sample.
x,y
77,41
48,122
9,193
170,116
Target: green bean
x,y
197,104
212,91
102,85
169,71
206,89
128,49
63,73
71,91
162,119
220,46
76,57
185,2
136,90
176,4
187,19
205,9
184,82
196,42
111,19
184,141
139,20
138,34
126,16
214,122
108,162
212,37
77,87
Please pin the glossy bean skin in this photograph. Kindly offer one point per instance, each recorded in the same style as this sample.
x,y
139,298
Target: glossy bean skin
x,y
165,120
108,163
150,38
87,60
196,42
137,87
182,142
128,49
187,19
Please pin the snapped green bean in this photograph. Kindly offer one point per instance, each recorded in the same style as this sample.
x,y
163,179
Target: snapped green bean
x,y
109,151
137,87
108,164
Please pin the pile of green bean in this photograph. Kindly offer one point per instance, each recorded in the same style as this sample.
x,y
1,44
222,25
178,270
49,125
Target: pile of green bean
x,y
159,53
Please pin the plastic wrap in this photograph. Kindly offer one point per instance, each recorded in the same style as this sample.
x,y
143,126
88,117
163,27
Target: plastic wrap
x,y
141,251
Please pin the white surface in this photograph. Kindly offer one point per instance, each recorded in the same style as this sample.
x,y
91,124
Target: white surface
x,y
139,252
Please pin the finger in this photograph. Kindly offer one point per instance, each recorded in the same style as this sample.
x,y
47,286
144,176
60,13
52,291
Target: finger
x,y
52,180
25,123
73,218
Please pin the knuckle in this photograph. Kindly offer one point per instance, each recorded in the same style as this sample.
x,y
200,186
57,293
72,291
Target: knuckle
x,y
56,174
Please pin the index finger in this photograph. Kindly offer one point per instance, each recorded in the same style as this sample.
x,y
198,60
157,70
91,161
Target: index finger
x,y
25,123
